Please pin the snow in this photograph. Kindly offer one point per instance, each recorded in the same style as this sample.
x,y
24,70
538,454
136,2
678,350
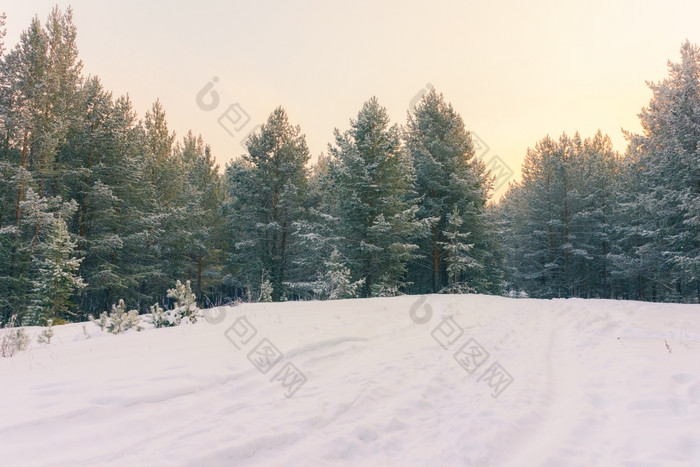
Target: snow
x,y
594,382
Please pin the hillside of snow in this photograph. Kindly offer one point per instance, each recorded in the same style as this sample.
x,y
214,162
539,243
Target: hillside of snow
x,y
443,380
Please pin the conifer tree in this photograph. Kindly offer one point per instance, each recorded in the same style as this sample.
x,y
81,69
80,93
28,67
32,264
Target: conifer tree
x,y
556,221
449,179
267,192
58,278
668,157
457,254
372,179
336,282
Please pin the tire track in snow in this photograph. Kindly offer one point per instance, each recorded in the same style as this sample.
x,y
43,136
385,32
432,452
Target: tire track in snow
x,y
556,417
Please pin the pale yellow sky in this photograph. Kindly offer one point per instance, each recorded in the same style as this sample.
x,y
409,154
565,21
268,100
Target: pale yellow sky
x,y
515,71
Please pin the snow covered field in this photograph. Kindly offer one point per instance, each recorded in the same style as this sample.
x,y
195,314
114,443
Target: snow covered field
x,y
483,381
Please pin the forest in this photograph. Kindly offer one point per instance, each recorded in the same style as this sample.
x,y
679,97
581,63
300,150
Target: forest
x,y
99,205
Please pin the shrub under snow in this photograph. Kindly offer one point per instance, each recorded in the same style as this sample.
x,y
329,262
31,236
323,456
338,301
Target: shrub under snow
x,y
13,339
185,304
119,320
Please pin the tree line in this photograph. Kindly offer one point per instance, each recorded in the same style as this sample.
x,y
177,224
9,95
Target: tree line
x,y
585,221
97,205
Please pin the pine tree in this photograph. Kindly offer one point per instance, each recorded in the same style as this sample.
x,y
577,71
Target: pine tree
x,y
316,230
668,156
243,266
121,320
93,171
596,175
449,179
39,220
267,189
167,178
457,254
106,170
13,338
144,212
372,178
266,291
202,219
185,302
336,283
38,83
556,221
58,277
47,333
138,217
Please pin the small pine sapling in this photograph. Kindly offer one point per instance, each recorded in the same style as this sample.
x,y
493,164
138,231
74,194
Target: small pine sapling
x,y
132,320
185,302
162,318
101,322
116,318
385,287
119,320
47,333
335,282
265,291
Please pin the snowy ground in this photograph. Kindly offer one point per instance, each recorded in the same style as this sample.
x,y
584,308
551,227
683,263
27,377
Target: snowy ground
x,y
593,383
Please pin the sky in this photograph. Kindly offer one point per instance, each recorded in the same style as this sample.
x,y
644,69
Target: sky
x,y
515,71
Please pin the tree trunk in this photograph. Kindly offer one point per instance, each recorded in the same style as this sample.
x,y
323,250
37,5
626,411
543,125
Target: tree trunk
x,y
436,262
83,207
20,189
199,275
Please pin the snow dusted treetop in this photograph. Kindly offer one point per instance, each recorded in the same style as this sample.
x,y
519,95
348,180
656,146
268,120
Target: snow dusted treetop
x,y
2,33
